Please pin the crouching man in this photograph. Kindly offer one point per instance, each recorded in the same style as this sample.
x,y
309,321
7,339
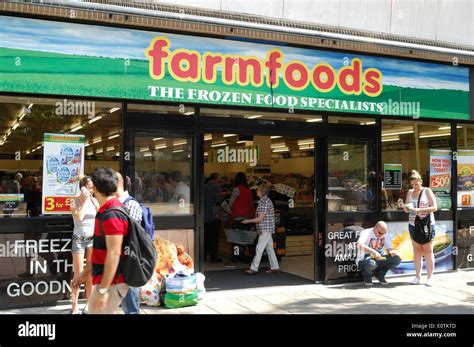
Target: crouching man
x,y
371,259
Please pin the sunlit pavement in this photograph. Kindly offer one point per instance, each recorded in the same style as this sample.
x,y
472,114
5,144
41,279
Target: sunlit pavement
x,y
451,293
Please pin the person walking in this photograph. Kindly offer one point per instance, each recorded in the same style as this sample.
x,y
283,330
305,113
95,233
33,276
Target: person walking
x,y
265,221
421,202
84,209
110,229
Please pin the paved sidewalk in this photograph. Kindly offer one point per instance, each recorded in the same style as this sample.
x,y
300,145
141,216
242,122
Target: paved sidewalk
x,y
451,293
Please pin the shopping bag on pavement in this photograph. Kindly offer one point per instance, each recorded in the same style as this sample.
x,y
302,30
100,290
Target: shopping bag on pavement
x,y
177,300
201,290
175,283
150,292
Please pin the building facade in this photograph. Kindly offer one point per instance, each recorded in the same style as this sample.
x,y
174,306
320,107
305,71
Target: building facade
x,y
334,126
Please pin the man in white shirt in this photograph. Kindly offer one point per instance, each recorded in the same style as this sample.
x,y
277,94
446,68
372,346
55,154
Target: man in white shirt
x,y
371,259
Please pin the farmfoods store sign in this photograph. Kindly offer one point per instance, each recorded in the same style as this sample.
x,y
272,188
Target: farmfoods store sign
x,y
121,63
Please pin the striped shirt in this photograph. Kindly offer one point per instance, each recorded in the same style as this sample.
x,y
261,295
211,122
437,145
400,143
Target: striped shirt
x,y
113,223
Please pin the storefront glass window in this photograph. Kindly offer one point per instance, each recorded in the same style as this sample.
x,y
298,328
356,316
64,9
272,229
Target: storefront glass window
x,y
465,179
421,146
23,124
162,172
351,172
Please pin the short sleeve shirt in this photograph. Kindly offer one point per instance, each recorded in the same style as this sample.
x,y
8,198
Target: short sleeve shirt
x,y
265,206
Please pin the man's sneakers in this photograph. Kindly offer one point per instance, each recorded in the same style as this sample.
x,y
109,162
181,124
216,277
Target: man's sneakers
x,y
381,279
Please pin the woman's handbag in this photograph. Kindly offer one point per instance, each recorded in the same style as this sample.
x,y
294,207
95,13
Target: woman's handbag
x,y
423,228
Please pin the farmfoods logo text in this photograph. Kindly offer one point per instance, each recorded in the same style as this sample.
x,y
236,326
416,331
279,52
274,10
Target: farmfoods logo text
x,y
248,73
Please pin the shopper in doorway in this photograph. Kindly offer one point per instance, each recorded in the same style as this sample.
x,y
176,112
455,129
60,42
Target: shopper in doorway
x,y
131,302
212,224
109,287
181,190
265,221
371,258
84,209
241,205
426,207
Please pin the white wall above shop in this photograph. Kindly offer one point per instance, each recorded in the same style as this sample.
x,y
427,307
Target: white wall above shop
x,y
440,20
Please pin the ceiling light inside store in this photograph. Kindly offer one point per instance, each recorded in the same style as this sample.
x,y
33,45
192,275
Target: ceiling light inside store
x,y
95,119
284,149
16,125
87,145
158,138
425,136
253,116
160,146
23,115
306,147
313,120
449,128
306,142
148,154
100,150
275,137
229,135
112,110
179,143
219,144
30,106
391,139
241,141
110,149
206,154
2,143
79,127
144,149
398,133
90,153
367,123
189,113
113,136
207,137
339,144
178,150
97,140
278,145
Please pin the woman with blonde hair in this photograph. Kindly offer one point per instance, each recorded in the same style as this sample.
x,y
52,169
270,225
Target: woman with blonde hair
x,y
420,202
84,209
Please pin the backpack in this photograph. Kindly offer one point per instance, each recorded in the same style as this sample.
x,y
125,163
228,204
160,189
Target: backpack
x,y
423,228
141,256
147,218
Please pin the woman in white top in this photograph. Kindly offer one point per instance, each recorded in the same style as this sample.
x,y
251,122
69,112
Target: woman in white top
x,y
83,209
427,206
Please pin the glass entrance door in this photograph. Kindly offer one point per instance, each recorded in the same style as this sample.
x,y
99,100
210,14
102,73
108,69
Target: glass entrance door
x,y
351,201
